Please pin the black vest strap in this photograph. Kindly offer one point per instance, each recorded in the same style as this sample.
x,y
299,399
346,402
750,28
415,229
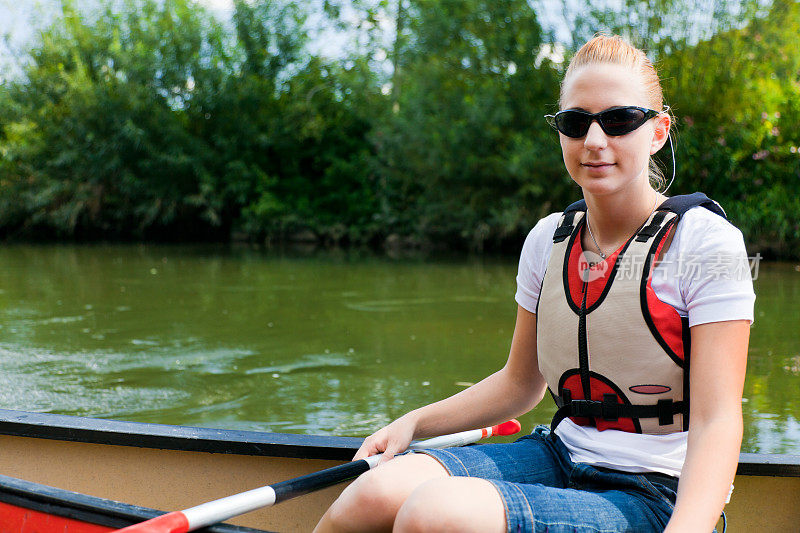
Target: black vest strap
x,y
677,204
580,205
649,231
609,409
566,228
683,202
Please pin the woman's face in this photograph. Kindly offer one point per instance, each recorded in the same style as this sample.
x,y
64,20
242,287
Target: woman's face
x,y
599,163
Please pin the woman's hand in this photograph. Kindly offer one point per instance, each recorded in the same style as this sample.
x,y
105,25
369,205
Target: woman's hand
x,y
389,440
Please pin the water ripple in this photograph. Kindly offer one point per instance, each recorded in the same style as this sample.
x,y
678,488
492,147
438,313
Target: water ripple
x,y
307,363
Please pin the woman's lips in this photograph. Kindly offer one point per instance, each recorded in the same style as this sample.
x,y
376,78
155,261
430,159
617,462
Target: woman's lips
x,y
597,167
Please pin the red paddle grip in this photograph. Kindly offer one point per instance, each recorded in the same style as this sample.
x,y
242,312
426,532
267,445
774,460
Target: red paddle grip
x,y
174,522
507,428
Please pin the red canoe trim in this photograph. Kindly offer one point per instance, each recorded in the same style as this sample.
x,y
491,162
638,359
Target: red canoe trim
x,y
15,519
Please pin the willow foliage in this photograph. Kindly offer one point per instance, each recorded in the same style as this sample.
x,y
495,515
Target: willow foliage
x,y
152,119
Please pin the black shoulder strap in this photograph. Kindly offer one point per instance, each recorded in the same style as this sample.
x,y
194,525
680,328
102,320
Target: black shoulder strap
x,y
567,226
651,229
580,205
677,204
683,202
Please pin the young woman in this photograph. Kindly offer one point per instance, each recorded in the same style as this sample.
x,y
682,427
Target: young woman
x,y
668,285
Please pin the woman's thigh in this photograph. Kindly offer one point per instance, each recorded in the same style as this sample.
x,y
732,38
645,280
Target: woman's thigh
x,y
538,508
542,490
472,504
531,459
452,504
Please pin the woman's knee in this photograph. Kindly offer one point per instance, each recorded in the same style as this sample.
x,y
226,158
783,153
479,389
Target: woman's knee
x,y
452,504
366,502
372,500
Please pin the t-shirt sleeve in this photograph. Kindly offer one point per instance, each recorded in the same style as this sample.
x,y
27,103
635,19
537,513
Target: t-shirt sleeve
x,y
715,277
533,261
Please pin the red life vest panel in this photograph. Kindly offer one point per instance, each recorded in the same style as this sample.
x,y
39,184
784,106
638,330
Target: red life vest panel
x,y
615,356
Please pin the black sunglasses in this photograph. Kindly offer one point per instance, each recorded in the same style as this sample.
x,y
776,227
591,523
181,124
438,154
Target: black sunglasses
x,y
614,121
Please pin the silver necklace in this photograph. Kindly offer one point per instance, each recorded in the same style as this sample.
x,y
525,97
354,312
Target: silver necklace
x,y
602,253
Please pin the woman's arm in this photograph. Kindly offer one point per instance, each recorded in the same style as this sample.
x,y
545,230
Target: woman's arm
x,y
716,380
511,391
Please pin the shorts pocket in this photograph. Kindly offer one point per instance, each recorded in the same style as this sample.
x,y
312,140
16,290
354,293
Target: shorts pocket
x,y
648,486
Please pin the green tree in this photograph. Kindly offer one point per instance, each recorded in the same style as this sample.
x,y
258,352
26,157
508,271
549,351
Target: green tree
x,y
730,71
306,141
662,26
736,98
148,119
97,141
466,156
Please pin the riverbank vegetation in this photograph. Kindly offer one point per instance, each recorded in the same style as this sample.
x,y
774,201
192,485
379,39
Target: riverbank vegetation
x,y
157,120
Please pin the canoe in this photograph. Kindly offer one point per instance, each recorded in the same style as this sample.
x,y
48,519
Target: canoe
x,y
33,507
73,473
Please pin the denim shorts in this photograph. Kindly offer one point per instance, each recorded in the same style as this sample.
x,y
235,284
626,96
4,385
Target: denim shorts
x,y
544,491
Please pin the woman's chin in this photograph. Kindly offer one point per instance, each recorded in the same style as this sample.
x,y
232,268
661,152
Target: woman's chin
x,y
599,186
608,183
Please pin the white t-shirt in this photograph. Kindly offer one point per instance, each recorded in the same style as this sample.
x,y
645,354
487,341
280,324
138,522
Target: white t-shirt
x,y
705,275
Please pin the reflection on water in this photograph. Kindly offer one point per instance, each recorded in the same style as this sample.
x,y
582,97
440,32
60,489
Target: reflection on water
x,y
335,343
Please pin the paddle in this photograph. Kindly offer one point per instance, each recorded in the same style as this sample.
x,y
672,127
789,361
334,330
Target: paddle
x,y
215,511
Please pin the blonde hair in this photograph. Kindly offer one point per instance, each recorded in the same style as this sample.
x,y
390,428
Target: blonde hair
x,y
616,50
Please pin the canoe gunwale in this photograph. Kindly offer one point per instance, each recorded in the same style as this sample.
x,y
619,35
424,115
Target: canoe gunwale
x,y
187,438
768,464
166,437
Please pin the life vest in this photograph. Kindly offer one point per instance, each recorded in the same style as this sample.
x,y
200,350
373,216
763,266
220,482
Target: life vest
x,y
615,356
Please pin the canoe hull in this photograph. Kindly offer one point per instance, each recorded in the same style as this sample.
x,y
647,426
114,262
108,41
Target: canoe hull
x,y
166,479
173,467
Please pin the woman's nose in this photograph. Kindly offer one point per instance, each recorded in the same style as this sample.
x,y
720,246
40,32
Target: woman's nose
x,y
595,138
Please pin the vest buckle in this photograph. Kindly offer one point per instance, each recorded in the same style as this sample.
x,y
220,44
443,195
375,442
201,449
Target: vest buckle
x,y
610,407
665,412
583,408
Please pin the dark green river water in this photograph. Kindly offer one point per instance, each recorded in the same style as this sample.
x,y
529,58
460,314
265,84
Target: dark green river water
x,y
326,343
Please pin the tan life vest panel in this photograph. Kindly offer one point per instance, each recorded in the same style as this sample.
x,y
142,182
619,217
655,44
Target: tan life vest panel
x,y
615,356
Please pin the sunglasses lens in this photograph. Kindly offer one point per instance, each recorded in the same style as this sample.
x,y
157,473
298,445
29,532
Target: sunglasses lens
x,y
622,121
615,122
573,123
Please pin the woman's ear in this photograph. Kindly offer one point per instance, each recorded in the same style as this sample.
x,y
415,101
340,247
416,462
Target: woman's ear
x,y
661,133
